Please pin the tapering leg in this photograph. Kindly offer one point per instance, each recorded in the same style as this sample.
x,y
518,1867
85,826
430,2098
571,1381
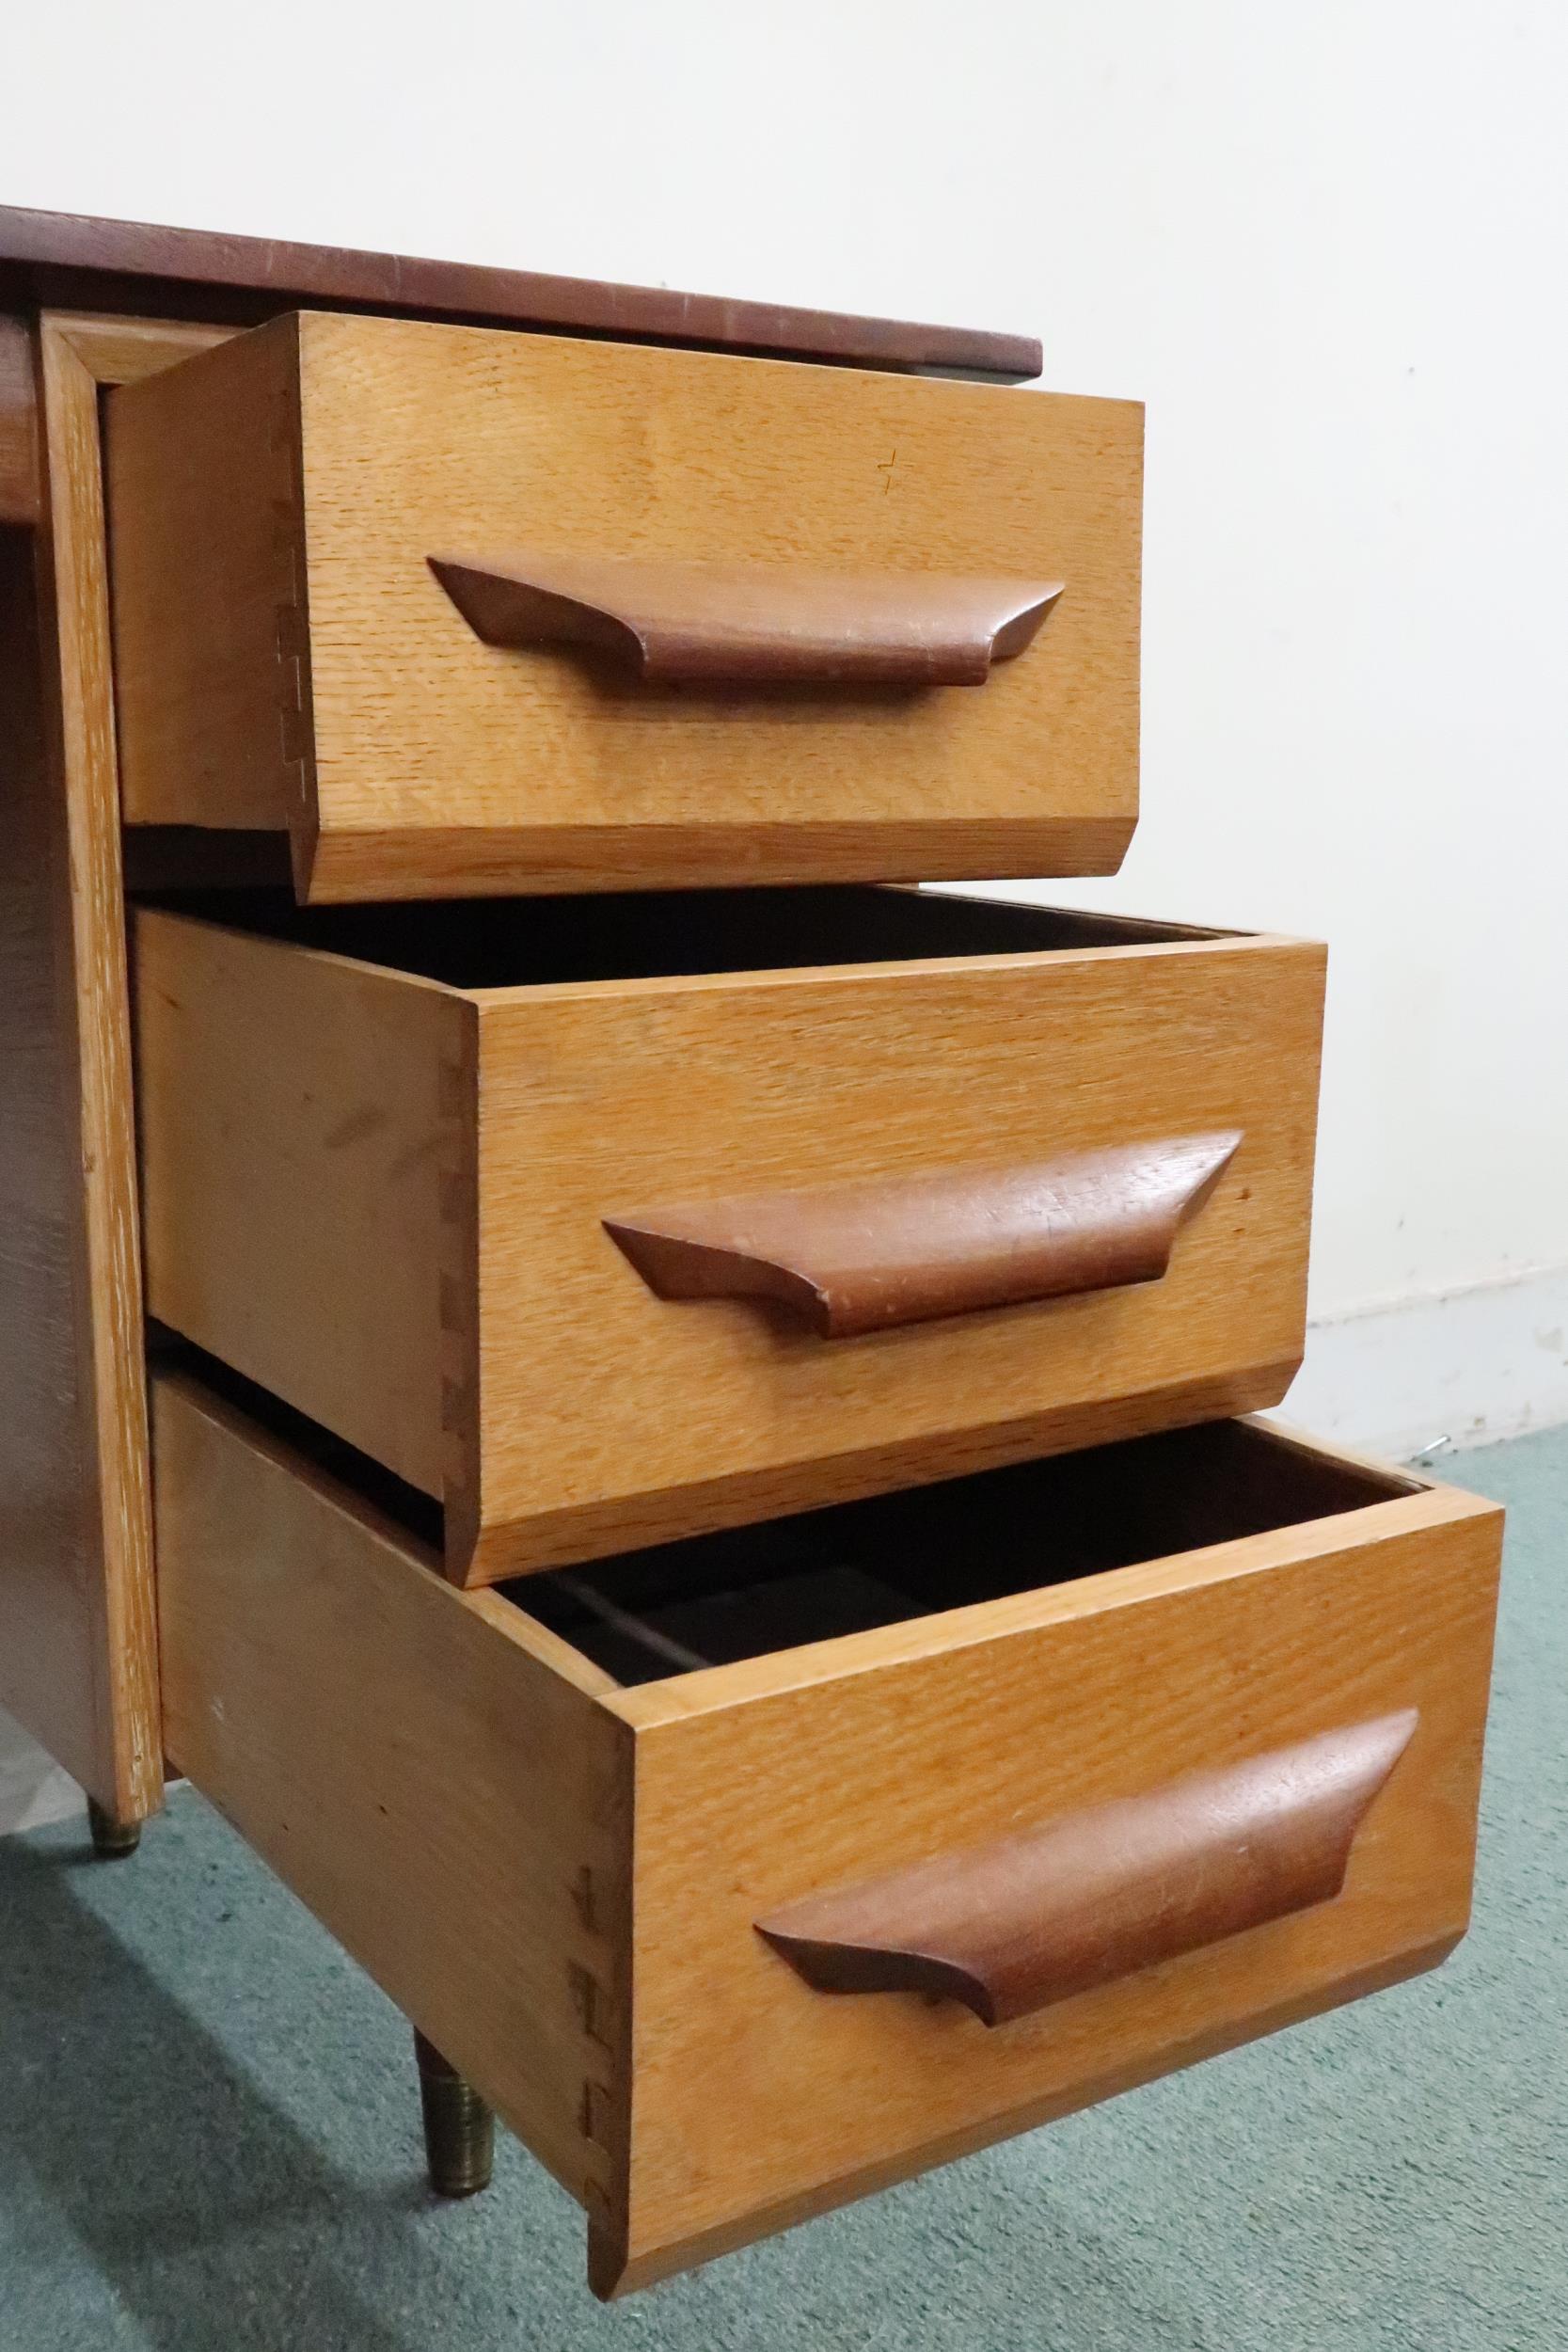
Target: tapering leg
x,y
111,1839
459,2127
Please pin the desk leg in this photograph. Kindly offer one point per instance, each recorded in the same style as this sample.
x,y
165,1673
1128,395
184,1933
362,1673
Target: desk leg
x,y
459,2127
111,1839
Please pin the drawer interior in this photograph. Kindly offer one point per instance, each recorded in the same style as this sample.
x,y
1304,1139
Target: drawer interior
x,y
710,1601
560,1878
673,1609
498,943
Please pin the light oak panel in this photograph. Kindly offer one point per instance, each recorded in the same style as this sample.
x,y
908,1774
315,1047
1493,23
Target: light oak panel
x,y
337,1157
428,1771
55,1655
757,1785
320,1121
108,1292
78,1662
78,1659
270,556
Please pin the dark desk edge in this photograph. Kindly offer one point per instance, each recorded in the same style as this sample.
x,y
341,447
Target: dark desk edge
x,y
69,260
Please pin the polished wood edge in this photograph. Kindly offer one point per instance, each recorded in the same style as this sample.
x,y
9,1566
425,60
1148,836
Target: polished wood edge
x,y
599,858
52,258
1038,1917
20,488
766,978
875,1255
673,621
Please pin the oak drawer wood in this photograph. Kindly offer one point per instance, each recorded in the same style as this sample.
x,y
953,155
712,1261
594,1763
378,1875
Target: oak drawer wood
x,y
401,1167
559,1867
288,659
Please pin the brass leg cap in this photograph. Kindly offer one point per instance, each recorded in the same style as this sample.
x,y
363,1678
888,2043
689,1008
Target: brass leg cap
x,y
459,2126
111,1839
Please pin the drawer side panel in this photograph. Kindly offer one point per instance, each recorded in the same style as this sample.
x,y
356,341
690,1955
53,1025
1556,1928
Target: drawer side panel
x,y
442,1798
211,599
306,1126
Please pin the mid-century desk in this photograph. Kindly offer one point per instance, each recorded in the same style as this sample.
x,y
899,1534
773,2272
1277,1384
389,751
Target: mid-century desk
x,y
659,1418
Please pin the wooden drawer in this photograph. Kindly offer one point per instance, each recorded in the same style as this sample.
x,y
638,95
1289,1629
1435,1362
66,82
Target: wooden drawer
x,y
1152,1750
415,1173
771,562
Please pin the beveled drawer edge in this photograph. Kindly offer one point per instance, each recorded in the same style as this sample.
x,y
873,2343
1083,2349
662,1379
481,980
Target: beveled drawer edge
x,y
932,967
1188,941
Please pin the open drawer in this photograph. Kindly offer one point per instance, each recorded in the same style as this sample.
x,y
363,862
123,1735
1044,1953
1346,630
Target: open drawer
x,y
459,611
1136,1754
610,1224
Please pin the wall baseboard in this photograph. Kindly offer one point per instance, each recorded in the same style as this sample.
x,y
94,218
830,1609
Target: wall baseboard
x,y
1475,1366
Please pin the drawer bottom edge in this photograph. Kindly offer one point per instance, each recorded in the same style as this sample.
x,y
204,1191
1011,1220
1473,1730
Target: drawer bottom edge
x,y
615,2270
494,1553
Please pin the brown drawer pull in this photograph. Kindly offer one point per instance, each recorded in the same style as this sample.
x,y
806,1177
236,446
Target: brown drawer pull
x,y
750,622
864,1257
1010,1928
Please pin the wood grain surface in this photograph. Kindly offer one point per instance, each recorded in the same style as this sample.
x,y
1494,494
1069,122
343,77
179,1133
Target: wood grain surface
x,y
55,1656
78,1661
20,484
559,1881
71,258
759,1784
302,1133
81,1665
403,1174
428,1771
288,658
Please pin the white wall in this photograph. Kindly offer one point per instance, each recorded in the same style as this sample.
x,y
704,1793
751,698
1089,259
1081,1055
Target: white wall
x,y
1325,245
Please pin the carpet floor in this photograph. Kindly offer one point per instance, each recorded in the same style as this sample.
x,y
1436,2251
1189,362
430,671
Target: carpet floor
x,y
209,2138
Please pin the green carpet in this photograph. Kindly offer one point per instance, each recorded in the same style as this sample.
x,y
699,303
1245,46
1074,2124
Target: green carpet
x,y
207,2133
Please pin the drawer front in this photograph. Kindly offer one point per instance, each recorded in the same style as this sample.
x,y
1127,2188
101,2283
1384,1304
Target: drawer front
x,y
424,1179
563,1881
822,541
758,1786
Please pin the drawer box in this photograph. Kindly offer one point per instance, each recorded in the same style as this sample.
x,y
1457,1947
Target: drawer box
x,y
1218,1679
723,589
418,1174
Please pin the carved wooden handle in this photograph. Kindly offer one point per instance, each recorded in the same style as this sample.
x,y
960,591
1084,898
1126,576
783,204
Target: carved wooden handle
x,y
750,622
1010,1928
864,1257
